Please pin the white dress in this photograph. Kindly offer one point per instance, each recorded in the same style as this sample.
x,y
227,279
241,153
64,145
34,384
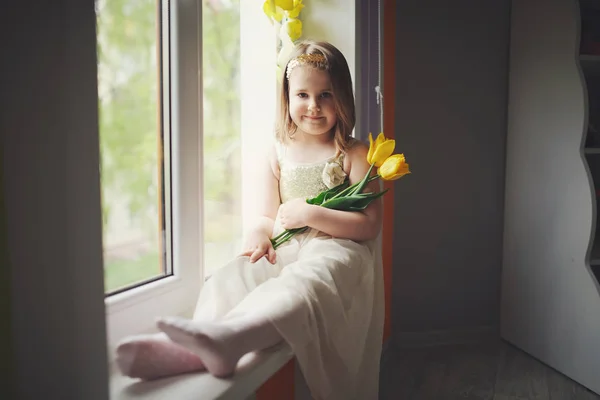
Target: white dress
x,y
324,295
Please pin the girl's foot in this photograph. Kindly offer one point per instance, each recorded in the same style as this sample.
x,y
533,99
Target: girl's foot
x,y
155,356
214,343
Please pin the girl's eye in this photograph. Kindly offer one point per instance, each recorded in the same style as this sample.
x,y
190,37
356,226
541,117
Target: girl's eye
x,y
302,95
325,95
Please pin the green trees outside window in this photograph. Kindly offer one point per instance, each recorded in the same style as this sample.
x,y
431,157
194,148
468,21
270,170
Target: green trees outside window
x,y
129,90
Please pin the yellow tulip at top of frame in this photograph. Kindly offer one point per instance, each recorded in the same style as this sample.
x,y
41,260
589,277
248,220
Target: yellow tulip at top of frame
x,y
277,9
284,4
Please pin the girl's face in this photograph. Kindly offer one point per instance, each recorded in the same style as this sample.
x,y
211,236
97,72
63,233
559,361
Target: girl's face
x,y
311,104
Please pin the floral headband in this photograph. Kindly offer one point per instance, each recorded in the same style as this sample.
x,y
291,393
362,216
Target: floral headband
x,y
315,60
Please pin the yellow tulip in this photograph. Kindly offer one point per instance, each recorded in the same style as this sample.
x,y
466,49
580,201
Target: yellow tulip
x,y
293,28
380,150
295,11
395,167
272,10
285,4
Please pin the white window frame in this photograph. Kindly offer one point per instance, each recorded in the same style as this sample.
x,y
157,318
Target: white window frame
x,y
134,311
258,93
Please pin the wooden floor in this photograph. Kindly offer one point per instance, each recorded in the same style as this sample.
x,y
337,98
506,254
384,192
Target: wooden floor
x,y
495,371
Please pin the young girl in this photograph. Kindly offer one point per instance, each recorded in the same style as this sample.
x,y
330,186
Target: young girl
x,y
321,291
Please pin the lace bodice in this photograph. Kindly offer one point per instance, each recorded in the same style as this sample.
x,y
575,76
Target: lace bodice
x,y
307,180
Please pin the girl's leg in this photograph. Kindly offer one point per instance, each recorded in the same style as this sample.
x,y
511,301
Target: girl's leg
x,y
155,356
244,327
230,285
220,345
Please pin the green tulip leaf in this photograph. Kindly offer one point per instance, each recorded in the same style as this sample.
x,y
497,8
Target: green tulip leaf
x,y
352,203
327,194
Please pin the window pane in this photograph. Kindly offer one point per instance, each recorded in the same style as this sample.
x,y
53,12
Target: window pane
x,y
130,79
222,139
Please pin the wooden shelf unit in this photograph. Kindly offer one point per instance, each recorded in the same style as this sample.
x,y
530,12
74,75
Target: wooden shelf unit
x,y
590,66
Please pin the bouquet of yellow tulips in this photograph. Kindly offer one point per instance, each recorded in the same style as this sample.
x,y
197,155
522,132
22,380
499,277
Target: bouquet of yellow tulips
x,y
348,197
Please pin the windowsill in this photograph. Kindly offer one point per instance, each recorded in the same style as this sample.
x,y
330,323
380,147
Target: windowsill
x,y
252,371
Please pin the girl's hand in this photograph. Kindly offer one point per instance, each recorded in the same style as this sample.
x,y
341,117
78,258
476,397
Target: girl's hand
x,y
294,214
258,245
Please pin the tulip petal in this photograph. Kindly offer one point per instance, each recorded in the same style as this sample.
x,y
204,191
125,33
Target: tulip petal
x,y
294,28
371,149
294,12
272,11
394,168
285,4
383,151
380,139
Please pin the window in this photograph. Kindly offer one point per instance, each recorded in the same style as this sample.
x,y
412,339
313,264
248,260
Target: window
x,y
135,134
150,142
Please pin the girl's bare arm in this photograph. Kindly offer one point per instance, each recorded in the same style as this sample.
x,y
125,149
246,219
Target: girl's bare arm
x,y
263,196
263,203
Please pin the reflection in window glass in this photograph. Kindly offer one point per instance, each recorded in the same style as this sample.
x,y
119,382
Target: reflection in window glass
x,y
222,140
132,138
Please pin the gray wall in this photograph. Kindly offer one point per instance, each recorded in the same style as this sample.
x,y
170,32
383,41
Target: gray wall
x,y
51,195
7,389
451,102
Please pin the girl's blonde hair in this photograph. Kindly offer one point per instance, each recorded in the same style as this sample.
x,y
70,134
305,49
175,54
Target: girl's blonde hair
x,y
343,96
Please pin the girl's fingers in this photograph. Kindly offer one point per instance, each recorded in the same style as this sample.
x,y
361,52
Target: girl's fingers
x,y
271,255
248,252
258,253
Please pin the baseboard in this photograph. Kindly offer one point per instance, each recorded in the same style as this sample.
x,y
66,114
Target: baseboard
x,y
445,337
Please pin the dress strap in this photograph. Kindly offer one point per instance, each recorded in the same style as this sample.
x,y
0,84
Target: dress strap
x,y
341,157
279,151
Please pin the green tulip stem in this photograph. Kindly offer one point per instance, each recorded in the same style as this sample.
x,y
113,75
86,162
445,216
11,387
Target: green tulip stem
x,y
288,235
276,238
285,236
372,178
350,190
345,192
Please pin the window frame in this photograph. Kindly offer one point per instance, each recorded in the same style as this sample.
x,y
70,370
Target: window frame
x,y
134,310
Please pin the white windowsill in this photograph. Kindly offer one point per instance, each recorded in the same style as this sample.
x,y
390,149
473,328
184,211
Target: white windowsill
x,y
253,370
